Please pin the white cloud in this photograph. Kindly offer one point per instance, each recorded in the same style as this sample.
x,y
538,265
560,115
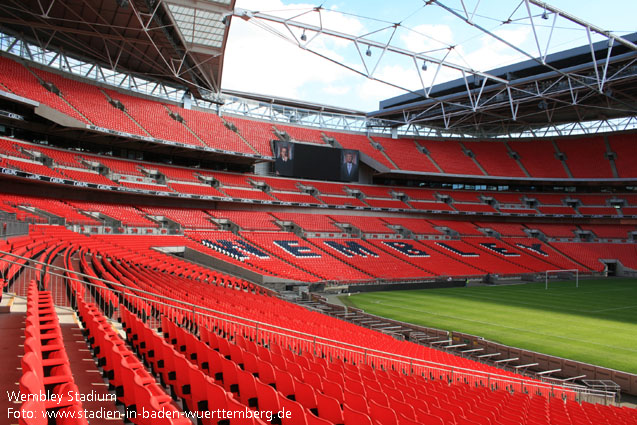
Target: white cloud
x,y
427,38
261,62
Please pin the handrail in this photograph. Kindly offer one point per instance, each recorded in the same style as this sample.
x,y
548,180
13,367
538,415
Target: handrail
x,y
310,338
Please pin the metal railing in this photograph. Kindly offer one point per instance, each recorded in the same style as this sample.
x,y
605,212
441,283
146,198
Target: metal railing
x,y
59,281
13,228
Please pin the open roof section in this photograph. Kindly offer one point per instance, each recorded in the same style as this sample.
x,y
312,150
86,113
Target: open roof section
x,y
568,87
177,41
553,99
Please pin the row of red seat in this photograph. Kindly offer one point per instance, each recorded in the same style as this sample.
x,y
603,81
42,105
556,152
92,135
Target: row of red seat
x,y
136,389
47,381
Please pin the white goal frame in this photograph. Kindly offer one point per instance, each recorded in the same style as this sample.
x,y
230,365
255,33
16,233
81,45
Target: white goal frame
x,y
546,276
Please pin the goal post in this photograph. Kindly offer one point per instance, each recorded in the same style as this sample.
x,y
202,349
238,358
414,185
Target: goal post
x,y
557,272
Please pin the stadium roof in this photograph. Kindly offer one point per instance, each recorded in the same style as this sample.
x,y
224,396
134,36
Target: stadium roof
x,y
564,87
181,41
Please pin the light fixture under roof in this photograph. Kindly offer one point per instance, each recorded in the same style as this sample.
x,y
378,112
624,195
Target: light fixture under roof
x,y
369,51
424,65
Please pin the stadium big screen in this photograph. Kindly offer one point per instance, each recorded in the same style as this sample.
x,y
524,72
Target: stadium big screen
x,y
315,162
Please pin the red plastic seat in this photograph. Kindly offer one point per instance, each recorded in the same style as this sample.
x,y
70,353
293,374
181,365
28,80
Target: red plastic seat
x,y
268,398
355,417
247,388
329,408
384,415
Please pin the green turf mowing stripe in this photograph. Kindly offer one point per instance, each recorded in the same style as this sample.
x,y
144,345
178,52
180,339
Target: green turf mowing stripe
x,y
595,323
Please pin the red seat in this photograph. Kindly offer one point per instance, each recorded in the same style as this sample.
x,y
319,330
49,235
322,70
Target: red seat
x,y
355,417
384,415
285,383
268,399
329,408
355,401
333,389
247,388
297,414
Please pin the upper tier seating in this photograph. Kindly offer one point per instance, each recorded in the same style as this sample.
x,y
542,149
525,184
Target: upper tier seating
x,y
92,103
494,158
405,154
623,145
450,157
89,104
210,128
581,153
20,81
301,134
258,133
154,117
538,157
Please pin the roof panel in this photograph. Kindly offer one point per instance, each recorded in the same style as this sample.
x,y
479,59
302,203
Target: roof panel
x,y
131,36
197,26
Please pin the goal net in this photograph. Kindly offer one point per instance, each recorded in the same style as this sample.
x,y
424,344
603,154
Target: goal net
x,y
565,274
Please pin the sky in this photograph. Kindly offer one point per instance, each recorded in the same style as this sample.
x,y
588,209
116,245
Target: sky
x,y
259,61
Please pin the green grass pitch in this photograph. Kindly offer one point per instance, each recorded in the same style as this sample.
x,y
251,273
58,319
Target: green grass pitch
x,y
595,323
